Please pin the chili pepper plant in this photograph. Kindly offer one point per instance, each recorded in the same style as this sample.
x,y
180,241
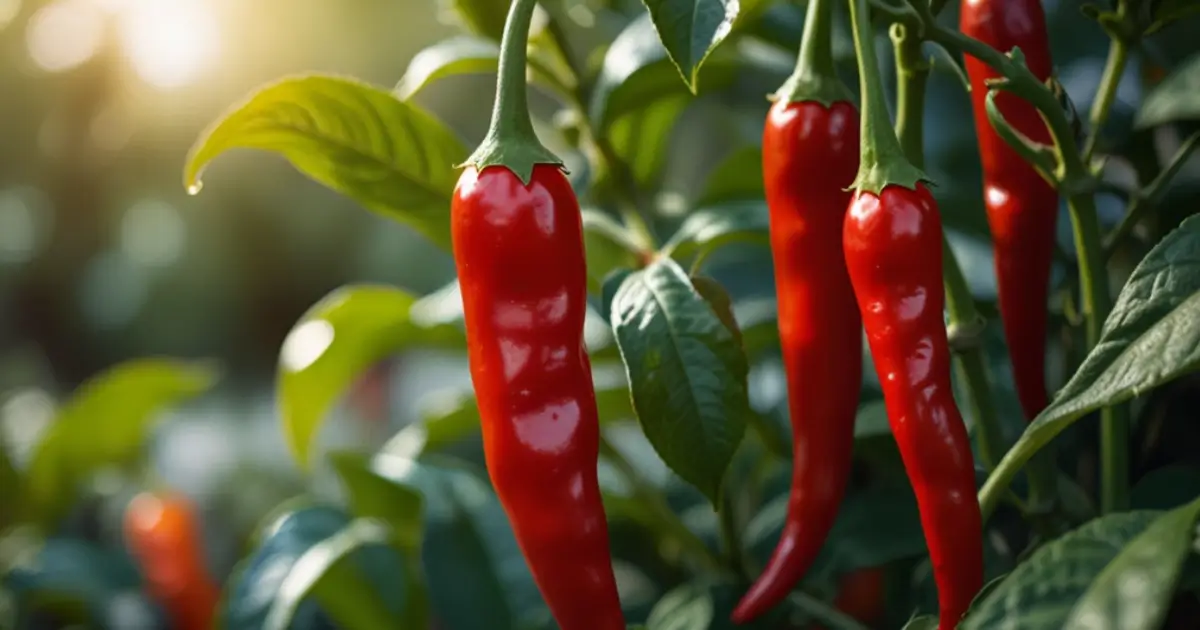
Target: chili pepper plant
x,y
772,393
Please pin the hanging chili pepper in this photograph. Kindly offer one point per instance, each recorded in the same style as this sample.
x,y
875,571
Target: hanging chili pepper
x,y
518,244
893,247
810,155
1021,206
162,535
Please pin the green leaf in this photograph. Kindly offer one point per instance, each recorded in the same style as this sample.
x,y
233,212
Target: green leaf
x,y
738,178
476,574
719,301
691,29
374,496
72,579
1174,99
386,154
1152,562
105,423
689,607
315,566
1151,337
449,57
334,342
482,17
708,229
1166,488
323,571
636,74
642,137
686,370
1167,11
1042,591
609,247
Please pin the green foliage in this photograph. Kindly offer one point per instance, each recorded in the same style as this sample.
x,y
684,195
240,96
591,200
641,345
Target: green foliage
x,y
686,370
691,29
386,154
1175,98
105,424
335,342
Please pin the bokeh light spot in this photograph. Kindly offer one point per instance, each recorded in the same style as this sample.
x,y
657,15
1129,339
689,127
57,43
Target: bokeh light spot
x,y
169,43
8,10
65,34
153,233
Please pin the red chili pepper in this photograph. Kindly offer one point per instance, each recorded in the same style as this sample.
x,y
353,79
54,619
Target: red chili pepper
x,y
861,594
160,531
810,155
1021,206
893,246
520,256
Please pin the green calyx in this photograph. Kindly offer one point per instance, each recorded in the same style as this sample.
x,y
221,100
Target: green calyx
x,y
814,78
511,141
882,162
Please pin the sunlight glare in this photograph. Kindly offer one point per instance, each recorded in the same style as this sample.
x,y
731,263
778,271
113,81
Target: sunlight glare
x,y
65,34
169,43
8,11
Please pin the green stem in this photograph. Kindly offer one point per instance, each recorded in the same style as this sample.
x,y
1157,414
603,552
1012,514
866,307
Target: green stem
x,y
731,539
912,73
511,140
1097,302
1114,68
822,612
882,162
1145,200
657,509
815,77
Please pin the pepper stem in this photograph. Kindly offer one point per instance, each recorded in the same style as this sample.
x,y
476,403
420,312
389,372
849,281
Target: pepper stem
x,y
511,141
815,78
882,162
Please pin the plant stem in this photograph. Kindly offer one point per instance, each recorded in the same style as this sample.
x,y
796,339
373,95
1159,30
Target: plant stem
x,y
731,539
912,73
1114,68
657,509
815,77
1145,200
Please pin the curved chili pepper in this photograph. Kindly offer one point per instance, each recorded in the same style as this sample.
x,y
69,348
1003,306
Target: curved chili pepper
x,y
161,533
518,246
893,246
893,243
810,155
1022,208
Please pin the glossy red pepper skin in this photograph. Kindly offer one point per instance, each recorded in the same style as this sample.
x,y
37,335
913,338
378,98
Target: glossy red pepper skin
x,y
810,157
520,258
893,248
1021,207
161,533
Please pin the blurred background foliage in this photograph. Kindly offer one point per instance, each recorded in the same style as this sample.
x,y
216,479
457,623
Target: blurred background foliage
x,y
105,257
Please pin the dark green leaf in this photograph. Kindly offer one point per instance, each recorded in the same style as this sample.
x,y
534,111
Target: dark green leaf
x,y
636,73
482,17
711,228
457,55
105,423
338,338
738,178
1167,11
361,141
1174,99
74,579
689,607
476,574
1153,562
1166,488
1151,337
373,496
609,246
314,566
1041,592
691,29
686,370
856,540
719,301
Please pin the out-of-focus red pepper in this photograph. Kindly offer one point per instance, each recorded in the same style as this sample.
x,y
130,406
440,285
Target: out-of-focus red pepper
x,y
162,534
1022,208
